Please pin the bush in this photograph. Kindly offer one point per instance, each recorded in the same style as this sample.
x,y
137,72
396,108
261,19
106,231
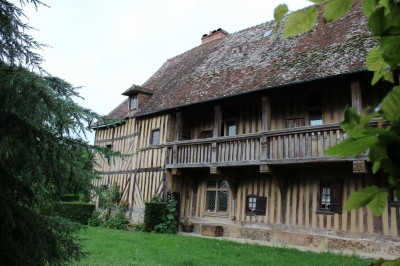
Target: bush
x,y
153,214
74,211
117,221
169,223
95,220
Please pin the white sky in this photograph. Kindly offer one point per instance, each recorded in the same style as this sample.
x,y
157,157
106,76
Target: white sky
x,y
106,46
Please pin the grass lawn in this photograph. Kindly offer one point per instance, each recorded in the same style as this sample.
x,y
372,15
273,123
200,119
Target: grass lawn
x,y
112,247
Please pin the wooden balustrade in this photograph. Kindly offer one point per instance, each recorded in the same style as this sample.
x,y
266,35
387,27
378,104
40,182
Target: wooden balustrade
x,y
305,143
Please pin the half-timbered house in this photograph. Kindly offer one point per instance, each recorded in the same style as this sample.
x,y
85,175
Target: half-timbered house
x,y
237,127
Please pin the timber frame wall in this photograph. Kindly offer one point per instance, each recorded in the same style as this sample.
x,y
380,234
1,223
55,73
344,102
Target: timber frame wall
x,y
264,158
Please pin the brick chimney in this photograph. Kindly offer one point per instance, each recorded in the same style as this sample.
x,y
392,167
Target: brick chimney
x,y
214,35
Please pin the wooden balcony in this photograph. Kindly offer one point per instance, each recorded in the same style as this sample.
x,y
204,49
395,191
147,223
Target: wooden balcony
x,y
288,146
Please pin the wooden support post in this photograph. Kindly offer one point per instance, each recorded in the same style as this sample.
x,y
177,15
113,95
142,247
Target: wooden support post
x,y
178,126
283,184
265,113
356,99
217,121
233,186
360,167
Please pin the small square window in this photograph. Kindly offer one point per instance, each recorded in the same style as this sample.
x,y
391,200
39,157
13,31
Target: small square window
x,y
231,128
256,205
133,102
155,137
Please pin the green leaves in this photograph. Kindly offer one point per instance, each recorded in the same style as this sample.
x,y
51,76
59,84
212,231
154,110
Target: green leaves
x,y
369,6
336,9
317,1
391,104
390,46
279,12
300,21
351,147
377,64
372,196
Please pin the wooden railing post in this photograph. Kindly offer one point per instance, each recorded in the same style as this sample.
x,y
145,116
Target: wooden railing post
x,y
264,148
214,152
175,154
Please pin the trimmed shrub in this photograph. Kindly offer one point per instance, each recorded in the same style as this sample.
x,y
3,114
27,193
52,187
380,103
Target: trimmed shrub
x,y
117,221
75,211
95,220
153,214
69,197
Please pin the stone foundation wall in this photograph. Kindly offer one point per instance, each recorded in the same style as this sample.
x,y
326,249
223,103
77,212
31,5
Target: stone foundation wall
x,y
324,240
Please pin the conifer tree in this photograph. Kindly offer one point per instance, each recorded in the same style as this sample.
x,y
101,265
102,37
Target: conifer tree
x,y
41,153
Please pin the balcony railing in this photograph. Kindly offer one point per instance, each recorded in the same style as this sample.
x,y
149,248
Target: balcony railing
x,y
279,146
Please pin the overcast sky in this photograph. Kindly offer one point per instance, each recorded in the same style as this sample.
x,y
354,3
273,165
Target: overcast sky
x,y
106,46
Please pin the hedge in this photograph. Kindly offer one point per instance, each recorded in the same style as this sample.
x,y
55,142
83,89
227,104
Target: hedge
x,y
69,197
153,213
75,211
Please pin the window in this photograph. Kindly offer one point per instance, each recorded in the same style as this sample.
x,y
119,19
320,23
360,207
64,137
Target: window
x,y
231,128
256,205
108,156
133,102
315,109
205,134
228,128
330,196
217,196
155,137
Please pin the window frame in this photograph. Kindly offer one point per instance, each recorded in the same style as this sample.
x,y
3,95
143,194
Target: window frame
x,y
216,189
315,107
203,134
258,211
136,100
336,196
109,158
152,136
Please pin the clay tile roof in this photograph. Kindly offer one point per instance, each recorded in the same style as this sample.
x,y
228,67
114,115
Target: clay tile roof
x,y
246,61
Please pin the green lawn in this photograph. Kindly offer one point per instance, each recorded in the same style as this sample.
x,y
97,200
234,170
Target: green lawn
x,y
112,247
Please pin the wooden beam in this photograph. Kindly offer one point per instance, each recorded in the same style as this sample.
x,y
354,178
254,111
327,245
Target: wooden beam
x,y
217,121
215,170
176,171
265,113
356,99
178,126
265,168
360,167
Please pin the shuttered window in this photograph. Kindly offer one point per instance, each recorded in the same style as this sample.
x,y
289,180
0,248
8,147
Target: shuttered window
x,y
330,196
256,205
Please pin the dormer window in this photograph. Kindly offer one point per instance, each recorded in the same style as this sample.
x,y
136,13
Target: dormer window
x,y
133,102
